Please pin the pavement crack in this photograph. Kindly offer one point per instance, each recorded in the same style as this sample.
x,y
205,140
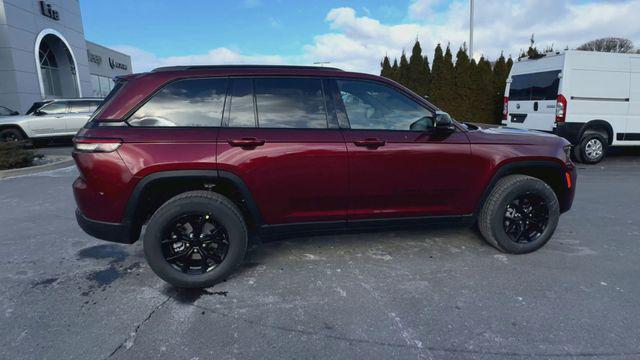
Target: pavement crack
x,y
130,340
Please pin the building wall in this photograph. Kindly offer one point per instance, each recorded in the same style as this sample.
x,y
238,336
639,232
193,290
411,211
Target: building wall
x,y
104,65
21,22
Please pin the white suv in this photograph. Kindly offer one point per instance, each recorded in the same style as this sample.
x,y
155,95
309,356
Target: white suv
x,y
48,119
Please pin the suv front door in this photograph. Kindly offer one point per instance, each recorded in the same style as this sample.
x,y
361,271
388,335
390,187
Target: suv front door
x,y
399,165
49,119
281,137
79,113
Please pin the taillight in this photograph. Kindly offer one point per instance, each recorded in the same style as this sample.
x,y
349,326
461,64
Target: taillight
x,y
96,145
505,108
561,109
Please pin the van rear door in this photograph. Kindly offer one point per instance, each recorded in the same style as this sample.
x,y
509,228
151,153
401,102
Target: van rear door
x,y
532,100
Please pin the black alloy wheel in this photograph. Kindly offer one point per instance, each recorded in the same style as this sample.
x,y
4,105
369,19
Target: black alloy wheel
x,y
526,218
195,243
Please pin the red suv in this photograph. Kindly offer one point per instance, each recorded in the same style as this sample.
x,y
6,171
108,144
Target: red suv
x,y
202,157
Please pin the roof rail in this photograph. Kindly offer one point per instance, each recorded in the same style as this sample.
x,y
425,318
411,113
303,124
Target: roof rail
x,y
216,67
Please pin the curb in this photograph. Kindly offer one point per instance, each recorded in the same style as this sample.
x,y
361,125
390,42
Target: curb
x,y
59,163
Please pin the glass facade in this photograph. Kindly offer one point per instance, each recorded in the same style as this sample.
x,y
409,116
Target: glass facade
x,y
101,85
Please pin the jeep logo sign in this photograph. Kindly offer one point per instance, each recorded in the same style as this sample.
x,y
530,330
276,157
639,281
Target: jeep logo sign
x,y
48,11
117,65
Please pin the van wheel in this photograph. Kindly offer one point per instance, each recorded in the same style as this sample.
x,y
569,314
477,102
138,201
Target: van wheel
x,y
592,147
195,240
520,215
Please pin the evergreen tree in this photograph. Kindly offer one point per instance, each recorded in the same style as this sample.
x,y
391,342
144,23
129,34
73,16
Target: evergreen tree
x,y
437,93
427,85
461,101
500,74
417,77
395,70
484,93
403,74
448,81
385,66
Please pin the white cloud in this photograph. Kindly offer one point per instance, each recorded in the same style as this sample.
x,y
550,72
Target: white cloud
x,y
144,61
359,42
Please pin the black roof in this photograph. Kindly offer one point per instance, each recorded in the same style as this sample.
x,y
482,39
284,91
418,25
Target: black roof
x,y
215,67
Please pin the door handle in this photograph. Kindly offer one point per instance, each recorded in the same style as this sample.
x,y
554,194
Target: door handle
x,y
246,142
535,106
370,143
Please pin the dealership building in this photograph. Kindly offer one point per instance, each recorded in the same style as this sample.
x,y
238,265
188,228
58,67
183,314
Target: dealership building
x,y
44,55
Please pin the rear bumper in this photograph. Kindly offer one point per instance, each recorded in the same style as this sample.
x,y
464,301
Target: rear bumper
x,y
115,232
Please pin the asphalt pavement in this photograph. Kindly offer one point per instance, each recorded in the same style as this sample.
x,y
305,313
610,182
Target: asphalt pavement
x,y
437,293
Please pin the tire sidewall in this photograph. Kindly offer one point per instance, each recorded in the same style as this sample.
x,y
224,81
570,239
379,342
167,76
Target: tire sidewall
x,y
539,188
167,214
583,148
17,135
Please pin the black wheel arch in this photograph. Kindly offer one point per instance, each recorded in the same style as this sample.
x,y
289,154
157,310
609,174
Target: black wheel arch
x,y
597,124
551,172
15,126
138,209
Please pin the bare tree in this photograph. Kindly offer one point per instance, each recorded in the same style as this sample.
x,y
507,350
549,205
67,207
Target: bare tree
x,y
608,44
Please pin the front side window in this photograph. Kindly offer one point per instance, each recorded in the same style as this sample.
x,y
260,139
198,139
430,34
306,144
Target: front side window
x,y
290,103
81,106
374,106
56,107
186,103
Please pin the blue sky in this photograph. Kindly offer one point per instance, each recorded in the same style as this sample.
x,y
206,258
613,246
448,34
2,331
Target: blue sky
x,y
349,34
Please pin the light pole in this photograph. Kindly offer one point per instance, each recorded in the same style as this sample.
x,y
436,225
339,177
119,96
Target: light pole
x,y
470,29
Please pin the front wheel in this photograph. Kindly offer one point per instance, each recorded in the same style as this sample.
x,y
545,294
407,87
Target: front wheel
x,y
520,215
11,135
195,239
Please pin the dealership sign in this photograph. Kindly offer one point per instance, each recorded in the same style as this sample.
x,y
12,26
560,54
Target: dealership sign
x,y
117,65
96,59
48,11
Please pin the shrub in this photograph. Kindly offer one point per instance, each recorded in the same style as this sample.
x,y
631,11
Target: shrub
x,y
14,155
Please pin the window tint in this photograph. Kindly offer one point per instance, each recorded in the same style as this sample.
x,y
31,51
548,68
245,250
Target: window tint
x,y
290,103
192,103
57,107
535,86
374,106
240,110
82,106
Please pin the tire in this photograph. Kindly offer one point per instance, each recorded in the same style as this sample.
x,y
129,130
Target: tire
x,y
11,134
592,147
218,210
493,217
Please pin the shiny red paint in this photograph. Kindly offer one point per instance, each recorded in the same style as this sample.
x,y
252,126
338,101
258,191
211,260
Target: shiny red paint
x,y
306,175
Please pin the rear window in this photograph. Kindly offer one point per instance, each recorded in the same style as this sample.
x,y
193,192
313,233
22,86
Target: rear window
x,y
184,103
535,86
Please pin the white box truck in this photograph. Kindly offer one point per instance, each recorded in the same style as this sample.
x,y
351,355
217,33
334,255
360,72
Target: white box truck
x,y
590,98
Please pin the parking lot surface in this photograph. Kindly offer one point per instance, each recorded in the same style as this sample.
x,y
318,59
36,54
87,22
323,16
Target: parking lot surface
x,y
436,293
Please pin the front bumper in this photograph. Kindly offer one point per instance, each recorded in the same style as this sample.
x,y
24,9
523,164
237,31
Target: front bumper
x,y
566,200
115,232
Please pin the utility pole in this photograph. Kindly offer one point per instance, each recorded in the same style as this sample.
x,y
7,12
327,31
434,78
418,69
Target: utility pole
x,y
470,29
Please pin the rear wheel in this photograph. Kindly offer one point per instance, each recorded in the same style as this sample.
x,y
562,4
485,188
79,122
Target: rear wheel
x,y
520,215
11,134
195,240
592,147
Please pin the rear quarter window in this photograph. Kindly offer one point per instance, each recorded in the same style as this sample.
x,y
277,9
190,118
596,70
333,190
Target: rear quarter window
x,y
184,103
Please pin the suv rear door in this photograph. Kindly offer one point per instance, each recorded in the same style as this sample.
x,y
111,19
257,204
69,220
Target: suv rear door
x,y
79,113
532,100
399,166
281,137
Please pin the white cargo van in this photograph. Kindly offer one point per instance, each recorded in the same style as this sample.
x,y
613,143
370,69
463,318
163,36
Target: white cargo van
x,y
590,98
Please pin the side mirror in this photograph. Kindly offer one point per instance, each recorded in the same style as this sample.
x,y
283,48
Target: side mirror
x,y
39,113
444,122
